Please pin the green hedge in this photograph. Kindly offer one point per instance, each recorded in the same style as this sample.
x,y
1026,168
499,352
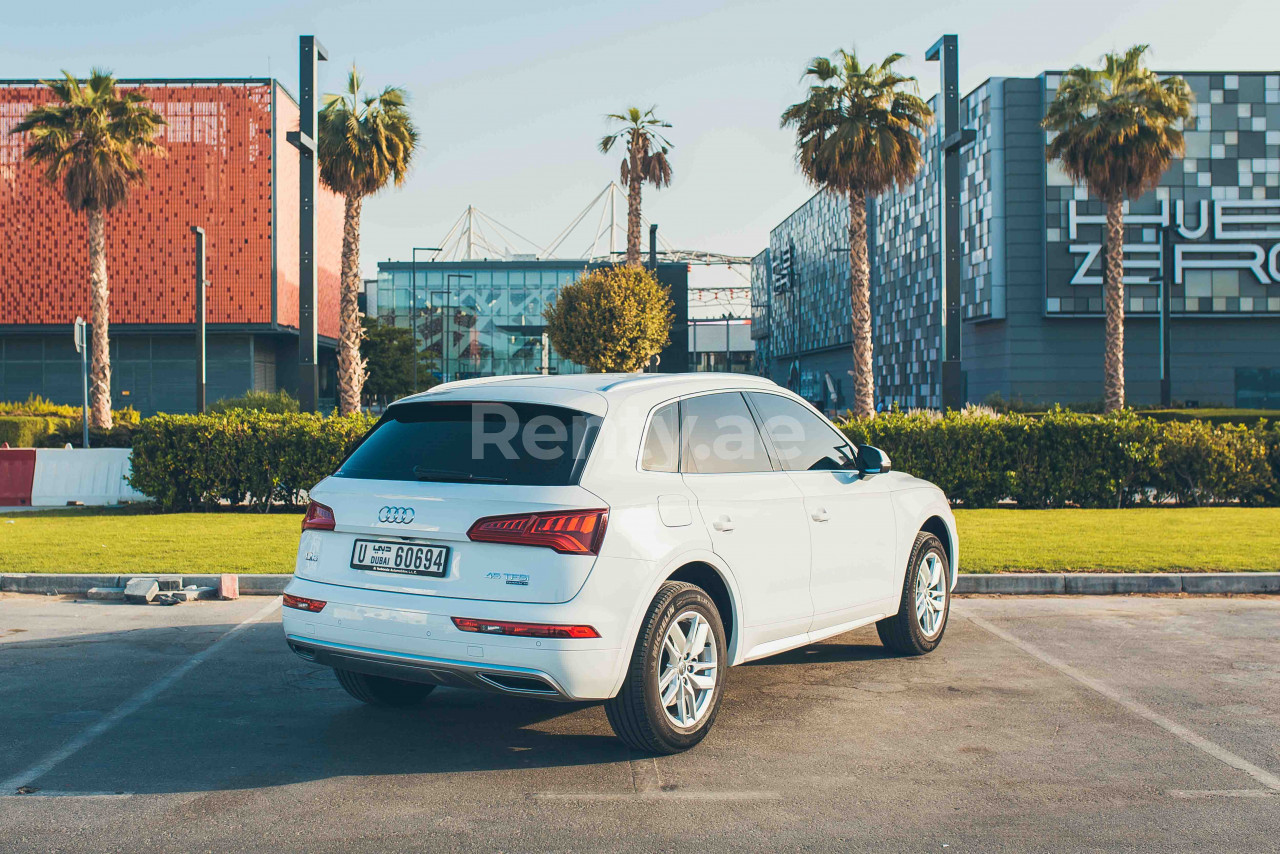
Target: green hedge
x,y
1062,458
186,461
25,431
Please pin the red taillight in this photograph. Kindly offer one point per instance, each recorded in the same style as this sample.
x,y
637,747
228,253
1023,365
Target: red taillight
x,y
319,518
524,630
315,606
574,532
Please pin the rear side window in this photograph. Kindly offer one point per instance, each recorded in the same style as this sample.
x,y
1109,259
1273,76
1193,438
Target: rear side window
x,y
802,439
476,442
719,436
662,442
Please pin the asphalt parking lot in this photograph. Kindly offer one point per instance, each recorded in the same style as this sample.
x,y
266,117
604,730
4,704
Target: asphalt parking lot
x,y
1052,724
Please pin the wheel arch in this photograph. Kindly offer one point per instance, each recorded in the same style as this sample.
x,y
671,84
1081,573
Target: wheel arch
x,y
938,526
704,575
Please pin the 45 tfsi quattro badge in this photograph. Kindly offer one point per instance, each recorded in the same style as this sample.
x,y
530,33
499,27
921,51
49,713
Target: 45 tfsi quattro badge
x,y
396,515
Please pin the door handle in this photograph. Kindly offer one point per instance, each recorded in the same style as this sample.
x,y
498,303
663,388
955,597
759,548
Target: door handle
x,y
724,523
819,515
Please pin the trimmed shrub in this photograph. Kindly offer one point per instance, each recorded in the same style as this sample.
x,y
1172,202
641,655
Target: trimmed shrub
x,y
25,431
187,461
1063,458
262,401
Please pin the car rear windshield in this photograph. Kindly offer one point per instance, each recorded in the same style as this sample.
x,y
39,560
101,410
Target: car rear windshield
x,y
525,444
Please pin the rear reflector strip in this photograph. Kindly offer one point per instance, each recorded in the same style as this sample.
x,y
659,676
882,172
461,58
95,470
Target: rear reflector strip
x,y
524,630
315,606
577,532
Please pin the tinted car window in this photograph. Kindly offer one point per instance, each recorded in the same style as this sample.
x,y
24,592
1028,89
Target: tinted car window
x,y
662,442
719,436
802,440
480,442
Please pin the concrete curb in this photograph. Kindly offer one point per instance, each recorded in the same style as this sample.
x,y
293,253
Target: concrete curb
x,y
47,584
1111,583
1009,584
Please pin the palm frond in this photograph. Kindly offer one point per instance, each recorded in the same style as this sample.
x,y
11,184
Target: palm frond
x,y
859,126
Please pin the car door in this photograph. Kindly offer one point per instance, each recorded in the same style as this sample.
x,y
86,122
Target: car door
x,y
754,514
850,516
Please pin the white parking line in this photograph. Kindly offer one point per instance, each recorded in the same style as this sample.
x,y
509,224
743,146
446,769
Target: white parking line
x,y
1217,751
676,795
129,706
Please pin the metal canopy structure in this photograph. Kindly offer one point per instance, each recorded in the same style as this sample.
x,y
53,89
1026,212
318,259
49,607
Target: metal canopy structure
x,y
600,229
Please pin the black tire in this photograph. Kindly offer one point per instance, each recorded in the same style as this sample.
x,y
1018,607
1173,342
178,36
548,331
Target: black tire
x,y
382,690
636,713
902,632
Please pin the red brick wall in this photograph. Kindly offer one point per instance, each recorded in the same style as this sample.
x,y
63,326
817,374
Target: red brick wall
x,y
218,174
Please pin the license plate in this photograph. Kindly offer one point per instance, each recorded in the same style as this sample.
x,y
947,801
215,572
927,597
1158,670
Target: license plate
x,y
400,557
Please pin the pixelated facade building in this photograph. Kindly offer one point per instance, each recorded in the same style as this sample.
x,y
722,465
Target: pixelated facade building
x,y
228,169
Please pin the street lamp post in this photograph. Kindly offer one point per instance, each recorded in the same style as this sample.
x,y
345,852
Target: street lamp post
x,y
1167,250
413,308
201,319
954,137
310,52
444,340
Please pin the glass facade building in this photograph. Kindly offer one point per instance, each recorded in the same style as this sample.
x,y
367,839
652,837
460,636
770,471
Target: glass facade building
x,y
484,318
1031,265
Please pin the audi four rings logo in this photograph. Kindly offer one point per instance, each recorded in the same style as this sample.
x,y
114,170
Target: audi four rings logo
x,y
396,515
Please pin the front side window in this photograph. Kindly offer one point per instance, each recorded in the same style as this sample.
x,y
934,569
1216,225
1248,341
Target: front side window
x,y
802,439
522,444
719,436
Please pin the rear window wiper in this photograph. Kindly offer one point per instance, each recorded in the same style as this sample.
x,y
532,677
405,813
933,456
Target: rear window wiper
x,y
452,476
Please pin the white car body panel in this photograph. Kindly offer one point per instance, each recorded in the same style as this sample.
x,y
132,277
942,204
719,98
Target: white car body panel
x,y
790,580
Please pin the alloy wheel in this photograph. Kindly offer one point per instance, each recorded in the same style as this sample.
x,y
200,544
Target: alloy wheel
x,y
687,669
931,594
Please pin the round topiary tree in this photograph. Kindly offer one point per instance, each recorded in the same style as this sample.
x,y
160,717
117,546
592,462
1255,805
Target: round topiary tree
x,y
611,319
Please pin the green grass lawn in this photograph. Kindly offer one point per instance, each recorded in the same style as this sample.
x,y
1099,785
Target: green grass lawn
x,y
1182,539
1142,540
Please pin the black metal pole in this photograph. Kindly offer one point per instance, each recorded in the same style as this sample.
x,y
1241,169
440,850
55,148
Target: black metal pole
x,y
946,52
728,363
201,319
1167,253
448,299
413,314
310,52
653,247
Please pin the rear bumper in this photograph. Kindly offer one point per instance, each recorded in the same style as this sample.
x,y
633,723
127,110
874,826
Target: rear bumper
x,y
432,671
413,637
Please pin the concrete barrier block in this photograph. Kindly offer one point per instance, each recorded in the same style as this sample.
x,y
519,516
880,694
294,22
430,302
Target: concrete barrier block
x,y
90,476
106,593
140,591
1231,582
228,586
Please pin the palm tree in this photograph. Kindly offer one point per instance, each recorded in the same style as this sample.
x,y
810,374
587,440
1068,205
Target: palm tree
x,y
1117,129
858,133
365,141
91,137
646,160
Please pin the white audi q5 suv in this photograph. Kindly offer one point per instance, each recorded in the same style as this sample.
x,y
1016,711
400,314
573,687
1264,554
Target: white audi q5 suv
x,y
615,537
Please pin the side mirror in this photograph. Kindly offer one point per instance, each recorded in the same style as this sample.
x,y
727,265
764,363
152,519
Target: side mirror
x,y
872,460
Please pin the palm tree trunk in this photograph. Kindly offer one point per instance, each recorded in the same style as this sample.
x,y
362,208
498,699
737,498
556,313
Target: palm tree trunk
x,y
864,382
351,368
1113,299
99,316
633,209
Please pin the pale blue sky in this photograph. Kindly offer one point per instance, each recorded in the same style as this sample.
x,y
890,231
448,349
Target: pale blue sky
x,y
510,96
